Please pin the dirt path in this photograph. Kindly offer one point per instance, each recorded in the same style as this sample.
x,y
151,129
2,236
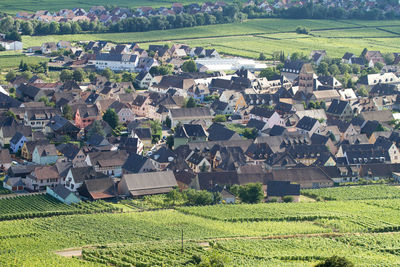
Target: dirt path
x,y
70,253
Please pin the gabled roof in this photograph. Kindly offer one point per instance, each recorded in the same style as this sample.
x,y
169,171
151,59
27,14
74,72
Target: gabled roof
x,y
61,191
81,174
98,188
282,188
337,107
150,183
143,133
134,163
190,130
163,155
262,112
306,123
201,112
218,132
16,138
68,150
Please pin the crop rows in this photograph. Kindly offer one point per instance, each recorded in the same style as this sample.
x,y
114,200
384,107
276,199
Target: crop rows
x,y
354,192
21,207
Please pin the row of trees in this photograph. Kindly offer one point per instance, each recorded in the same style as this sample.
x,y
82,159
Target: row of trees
x,y
230,13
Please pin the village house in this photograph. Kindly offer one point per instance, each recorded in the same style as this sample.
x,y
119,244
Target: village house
x,y
41,177
107,162
44,154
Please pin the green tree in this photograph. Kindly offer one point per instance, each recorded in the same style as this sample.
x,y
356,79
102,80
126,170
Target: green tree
x,y
199,198
11,114
46,101
335,261
10,76
67,112
262,57
250,133
355,69
219,118
111,117
323,68
66,75
78,75
191,103
379,65
389,58
269,73
96,128
362,91
333,69
170,141
251,193
189,66
107,73
168,122
155,127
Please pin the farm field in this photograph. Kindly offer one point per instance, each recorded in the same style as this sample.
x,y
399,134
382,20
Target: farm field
x,y
20,207
252,37
355,192
354,230
12,59
13,7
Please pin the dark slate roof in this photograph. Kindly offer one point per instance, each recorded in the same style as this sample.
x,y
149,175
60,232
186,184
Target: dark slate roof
x,y
337,107
17,136
139,100
141,75
253,123
81,174
163,155
59,123
134,163
306,123
68,150
8,102
98,140
347,56
218,132
317,139
61,191
282,188
143,133
382,89
293,65
218,105
277,130
262,112
190,130
370,127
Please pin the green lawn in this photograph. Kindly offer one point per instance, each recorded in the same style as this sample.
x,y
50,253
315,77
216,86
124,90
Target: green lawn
x,y
12,59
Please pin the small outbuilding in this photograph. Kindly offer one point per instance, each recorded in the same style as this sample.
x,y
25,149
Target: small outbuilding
x,y
62,194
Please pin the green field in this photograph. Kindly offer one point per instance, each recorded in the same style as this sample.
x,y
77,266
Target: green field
x,y
32,206
355,192
13,7
252,37
278,234
12,59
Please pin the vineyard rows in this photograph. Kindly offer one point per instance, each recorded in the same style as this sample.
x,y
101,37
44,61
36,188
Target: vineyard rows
x,y
354,192
32,206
